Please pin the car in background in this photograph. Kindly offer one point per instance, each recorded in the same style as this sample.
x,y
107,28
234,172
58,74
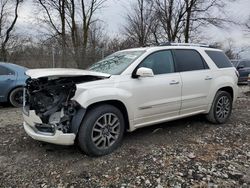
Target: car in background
x,y
12,81
243,67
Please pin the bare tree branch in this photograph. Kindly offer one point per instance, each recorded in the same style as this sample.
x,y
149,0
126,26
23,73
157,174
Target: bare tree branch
x,y
5,35
140,22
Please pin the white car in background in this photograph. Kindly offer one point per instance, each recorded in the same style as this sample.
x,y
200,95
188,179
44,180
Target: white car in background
x,y
127,90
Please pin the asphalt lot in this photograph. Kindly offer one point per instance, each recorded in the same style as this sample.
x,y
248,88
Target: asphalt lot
x,y
186,153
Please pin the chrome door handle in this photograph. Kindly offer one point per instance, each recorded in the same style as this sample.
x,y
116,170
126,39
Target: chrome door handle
x,y
174,82
208,78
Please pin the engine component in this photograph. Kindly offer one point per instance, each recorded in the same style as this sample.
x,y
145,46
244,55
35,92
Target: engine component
x,y
51,98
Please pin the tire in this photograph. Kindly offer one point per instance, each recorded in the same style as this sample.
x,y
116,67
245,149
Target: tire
x,y
16,97
97,137
221,108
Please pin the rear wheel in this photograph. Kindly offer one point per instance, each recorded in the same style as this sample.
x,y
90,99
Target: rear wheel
x,y
16,97
101,131
221,108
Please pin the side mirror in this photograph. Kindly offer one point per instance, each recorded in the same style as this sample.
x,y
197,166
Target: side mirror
x,y
144,72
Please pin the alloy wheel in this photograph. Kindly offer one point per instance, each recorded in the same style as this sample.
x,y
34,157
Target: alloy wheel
x,y
106,131
223,108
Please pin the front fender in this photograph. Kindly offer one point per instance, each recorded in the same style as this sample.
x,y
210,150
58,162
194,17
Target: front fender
x,y
94,95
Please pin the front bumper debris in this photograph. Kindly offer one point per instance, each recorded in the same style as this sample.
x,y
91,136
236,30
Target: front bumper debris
x,y
56,137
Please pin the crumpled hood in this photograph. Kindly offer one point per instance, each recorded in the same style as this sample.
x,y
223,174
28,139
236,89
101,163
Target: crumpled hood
x,y
62,72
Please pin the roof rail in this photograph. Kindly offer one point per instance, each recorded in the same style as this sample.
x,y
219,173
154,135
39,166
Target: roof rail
x,y
184,44
165,44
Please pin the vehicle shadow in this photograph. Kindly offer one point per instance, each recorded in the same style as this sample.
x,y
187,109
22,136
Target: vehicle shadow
x,y
5,105
169,133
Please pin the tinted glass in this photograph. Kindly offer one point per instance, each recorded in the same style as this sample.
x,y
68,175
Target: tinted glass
x,y
245,63
234,62
219,58
5,71
117,62
160,62
189,60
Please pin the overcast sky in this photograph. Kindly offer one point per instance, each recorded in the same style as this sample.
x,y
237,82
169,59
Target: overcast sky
x,y
113,16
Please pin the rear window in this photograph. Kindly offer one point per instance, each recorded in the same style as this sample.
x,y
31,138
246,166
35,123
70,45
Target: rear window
x,y
219,58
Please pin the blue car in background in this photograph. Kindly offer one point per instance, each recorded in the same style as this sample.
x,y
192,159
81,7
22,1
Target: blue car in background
x,y
12,80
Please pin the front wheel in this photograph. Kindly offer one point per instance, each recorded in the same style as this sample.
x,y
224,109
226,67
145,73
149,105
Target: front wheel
x,y
16,97
101,131
221,108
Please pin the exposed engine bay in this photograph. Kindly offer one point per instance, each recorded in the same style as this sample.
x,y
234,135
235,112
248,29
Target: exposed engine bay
x,y
50,98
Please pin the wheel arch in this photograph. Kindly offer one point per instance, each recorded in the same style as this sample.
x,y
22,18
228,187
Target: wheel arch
x,y
212,113
12,89
222,87
228,89
118,104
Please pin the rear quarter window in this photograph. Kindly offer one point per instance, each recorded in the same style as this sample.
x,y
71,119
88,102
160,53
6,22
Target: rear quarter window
x,y
219,58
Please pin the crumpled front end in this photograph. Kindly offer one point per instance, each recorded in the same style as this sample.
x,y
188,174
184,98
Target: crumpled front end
x,y
50,114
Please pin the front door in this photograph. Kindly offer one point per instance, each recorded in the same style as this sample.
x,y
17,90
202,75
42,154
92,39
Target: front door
x,y
156,98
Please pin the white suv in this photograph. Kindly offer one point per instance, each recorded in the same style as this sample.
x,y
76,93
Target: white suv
x,y
125,91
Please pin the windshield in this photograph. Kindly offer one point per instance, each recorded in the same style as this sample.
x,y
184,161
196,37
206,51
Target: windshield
x,y
116,63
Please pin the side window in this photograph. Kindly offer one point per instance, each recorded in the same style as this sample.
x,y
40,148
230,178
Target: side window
x,y
246,63
241,64
219,58
189,60
160,62
5,71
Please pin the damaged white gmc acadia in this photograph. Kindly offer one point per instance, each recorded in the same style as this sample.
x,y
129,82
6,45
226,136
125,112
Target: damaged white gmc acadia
x,y
125,91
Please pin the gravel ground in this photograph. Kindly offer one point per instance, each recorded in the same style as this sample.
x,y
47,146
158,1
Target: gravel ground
x,y
184,153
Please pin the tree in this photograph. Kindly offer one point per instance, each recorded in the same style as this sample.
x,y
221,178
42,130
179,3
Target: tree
x,y
70,21
8,19
180,18
140,22
202,14
55,12
80,32
230,48
247,25
170,14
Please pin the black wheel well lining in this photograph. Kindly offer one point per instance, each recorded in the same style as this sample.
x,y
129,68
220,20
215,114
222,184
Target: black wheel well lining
x,y
228,89
116,103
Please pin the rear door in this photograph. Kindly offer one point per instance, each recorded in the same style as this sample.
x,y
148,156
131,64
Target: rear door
x,y
196,80
7,81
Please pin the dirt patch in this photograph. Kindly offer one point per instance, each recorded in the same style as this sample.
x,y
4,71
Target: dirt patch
x,y
184,153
